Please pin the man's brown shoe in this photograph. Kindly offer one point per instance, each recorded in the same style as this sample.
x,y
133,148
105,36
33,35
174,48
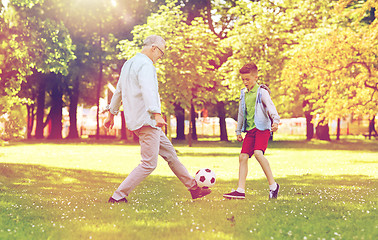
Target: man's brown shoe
x,y
199,192
112,200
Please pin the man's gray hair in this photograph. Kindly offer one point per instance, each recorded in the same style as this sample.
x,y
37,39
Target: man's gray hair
x,y
153,39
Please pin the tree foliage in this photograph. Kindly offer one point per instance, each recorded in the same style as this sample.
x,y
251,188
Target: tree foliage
x,y
335,70
318,54
266,32
29,41
185,73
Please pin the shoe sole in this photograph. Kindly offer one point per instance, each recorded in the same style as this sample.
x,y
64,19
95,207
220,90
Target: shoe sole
x,y
119,201
233,197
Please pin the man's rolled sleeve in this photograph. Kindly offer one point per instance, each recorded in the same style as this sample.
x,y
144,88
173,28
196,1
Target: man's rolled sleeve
x,y
116,101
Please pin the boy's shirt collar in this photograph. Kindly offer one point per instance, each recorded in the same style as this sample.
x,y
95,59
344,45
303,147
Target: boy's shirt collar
x,y
254,89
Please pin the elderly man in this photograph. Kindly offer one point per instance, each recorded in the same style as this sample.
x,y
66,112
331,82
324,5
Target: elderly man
x,y
137,88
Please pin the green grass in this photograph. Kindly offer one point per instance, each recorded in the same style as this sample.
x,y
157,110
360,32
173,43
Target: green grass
x,y
58,190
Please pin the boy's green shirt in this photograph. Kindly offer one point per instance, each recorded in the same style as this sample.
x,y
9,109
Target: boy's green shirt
x,y
250,103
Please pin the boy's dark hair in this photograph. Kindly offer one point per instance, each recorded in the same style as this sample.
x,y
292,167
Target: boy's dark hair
x,y
248,68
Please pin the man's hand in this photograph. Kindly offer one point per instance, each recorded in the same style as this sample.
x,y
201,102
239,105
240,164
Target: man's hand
x,y
109,121
160,122
274,127
239,138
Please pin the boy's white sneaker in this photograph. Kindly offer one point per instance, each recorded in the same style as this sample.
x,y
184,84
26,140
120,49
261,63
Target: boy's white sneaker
x,y
274,194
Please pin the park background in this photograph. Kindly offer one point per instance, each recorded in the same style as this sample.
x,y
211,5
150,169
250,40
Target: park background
x,y
319,58
60,61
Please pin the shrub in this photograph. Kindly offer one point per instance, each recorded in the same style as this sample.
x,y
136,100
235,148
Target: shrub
x,y
13,123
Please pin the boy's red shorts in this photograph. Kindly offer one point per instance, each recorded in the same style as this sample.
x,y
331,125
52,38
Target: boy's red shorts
x,y
255,140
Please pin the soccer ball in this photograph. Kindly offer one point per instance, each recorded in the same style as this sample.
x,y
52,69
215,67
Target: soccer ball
x,y
205,178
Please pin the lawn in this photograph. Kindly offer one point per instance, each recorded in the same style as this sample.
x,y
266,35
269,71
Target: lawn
x,y
59,190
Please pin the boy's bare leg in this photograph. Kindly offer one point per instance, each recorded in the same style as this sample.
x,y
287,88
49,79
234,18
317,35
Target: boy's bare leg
x,y
243,169
265,166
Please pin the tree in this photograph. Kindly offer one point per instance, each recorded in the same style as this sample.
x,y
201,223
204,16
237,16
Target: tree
x,y
185,75
189,11
29,91
219,19
338,69
29,42
57,87
104,23
267,32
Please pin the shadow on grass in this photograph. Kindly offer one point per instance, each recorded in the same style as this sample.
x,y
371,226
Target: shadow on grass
x,y
27,173
70,202
53,183
16,178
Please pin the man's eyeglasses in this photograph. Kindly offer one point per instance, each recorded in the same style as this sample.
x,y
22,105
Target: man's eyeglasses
x,y
162,53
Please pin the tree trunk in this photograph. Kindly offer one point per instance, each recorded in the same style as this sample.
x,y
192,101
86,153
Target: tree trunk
x,y
338,129
180,122
123,126
40,107
56,110
322,131
222,121
74,99
309,124
31,115
193,122
372,131
99,86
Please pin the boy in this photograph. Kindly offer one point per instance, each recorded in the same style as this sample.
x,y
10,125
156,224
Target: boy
x,y
255,108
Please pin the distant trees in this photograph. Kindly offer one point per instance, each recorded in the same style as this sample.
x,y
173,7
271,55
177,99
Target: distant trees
x,y
53,47
186,76
30,43
334,70
318,58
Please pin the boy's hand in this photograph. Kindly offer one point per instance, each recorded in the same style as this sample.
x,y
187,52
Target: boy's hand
x,y
239,138
274,127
